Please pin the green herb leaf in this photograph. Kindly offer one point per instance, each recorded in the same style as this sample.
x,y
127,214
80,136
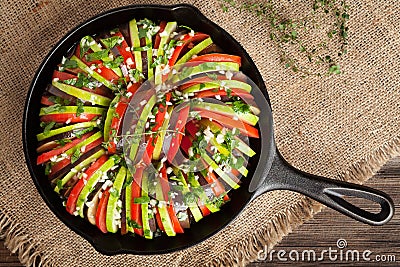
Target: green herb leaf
x,y
240,107
134,224
47,169
76,155
112,41
80,108
59,184
141,200
142,48
67,63
115,63
114,192
63,141
53,108
81,132
47,126
97,55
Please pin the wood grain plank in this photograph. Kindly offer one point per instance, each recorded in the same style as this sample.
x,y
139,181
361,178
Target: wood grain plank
x,y
326,228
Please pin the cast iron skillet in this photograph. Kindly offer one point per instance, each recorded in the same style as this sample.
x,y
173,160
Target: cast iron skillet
x,y
267,169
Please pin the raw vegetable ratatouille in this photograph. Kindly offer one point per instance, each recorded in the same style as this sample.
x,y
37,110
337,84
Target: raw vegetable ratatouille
x,y
115,153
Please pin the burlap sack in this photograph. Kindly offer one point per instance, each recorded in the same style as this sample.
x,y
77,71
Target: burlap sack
x,y
344,126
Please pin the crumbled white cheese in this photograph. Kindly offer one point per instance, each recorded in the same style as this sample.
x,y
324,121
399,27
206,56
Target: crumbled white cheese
x,y
220,138
169,170
164,34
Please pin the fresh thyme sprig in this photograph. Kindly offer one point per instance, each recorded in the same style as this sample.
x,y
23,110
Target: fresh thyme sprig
x,y
290,35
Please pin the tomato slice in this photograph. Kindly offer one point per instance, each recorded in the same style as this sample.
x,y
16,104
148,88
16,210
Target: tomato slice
x,y
159,222
204,210
177,138
125,51
157,40
218,189
215,57
136,210
187,39
68,117
48,155
102,211
243,127
170,207
215,92
62,76
45,101
65,162
73,196
107,73
116,122
162,110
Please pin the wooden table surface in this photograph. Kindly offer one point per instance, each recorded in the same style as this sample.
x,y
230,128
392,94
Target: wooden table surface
x,y
323,232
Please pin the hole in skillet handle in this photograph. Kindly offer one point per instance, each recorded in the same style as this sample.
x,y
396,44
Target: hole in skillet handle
x,y
329,192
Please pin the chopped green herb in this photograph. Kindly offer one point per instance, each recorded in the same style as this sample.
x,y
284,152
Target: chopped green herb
x,y
47,169
134,224
114,63
97,55
141,200
59,100
47,126
112,41
60,184
240,107
79,133
114,192
67,63
53,108
142,48
76,155
80,108
128,181
63,141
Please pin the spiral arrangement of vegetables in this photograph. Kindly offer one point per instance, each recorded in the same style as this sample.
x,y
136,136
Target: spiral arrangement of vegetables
x,y
82,144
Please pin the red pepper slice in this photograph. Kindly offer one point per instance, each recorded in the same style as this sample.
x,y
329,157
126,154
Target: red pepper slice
x,y
107,73
136,210
73,196
102,211
187,39
243,127
62,76
61,164
70,117
162,110
215,57
48,155
218,189
201,79
116,122
170,207
158,38
159,222
177,138
214,92
125,51
45,101
204,210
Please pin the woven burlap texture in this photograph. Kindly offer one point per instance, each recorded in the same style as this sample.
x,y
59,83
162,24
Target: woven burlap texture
x,y
344,126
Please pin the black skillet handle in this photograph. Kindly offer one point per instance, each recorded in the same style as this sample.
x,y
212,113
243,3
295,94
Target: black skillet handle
x,y
329,192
